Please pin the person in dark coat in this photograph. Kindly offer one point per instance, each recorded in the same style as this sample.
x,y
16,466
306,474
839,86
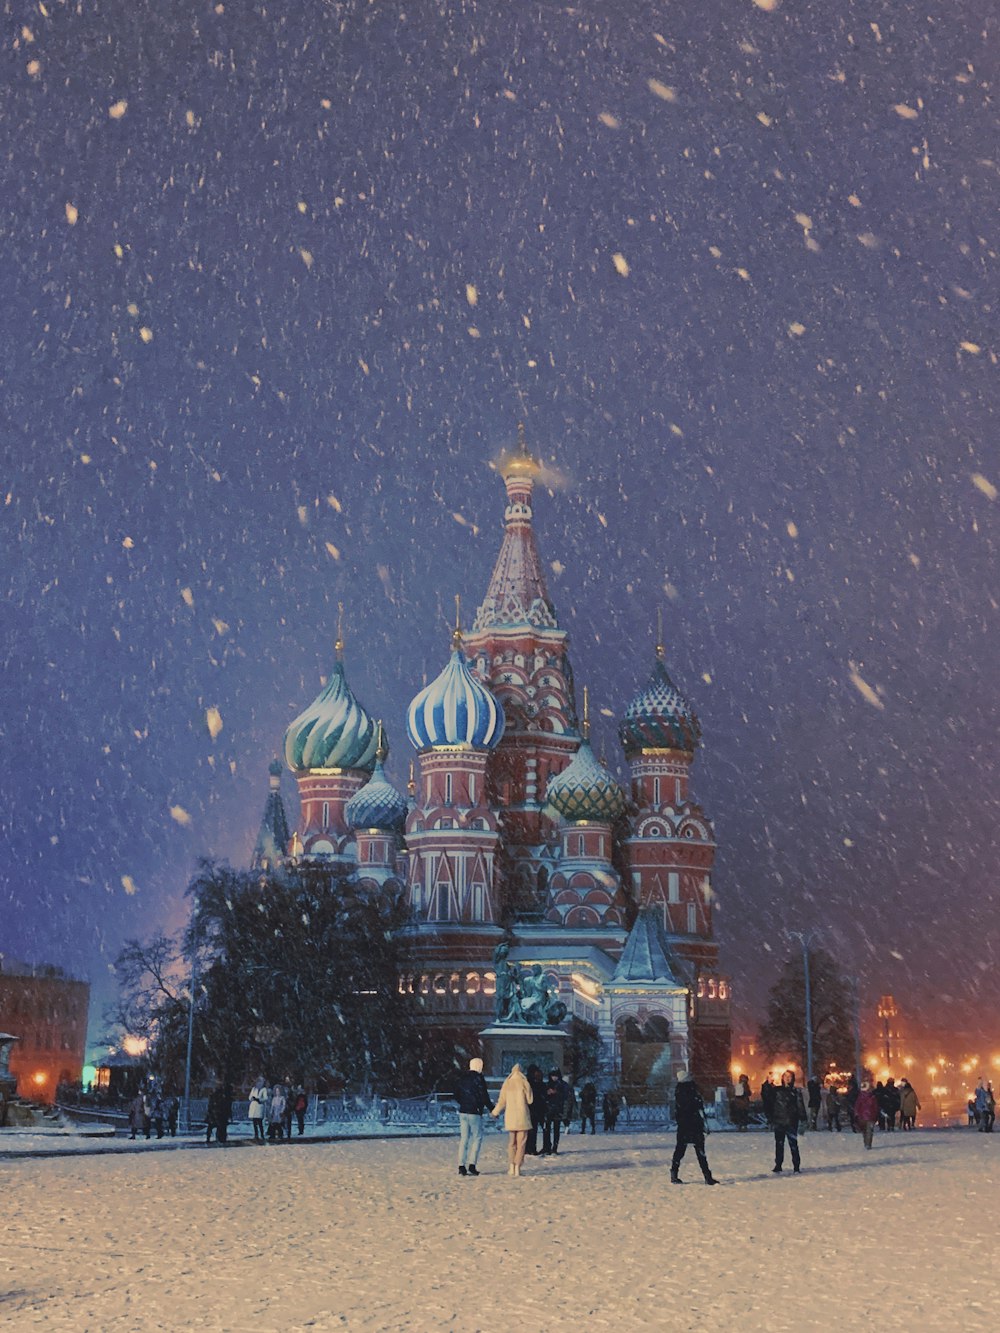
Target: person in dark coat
x,y
609,1111
689,1112
814,1100
220,1110
588,1108
788,1113
473,1097
536,1081
767,1092
173,1110
890,1104
866,1111
555,1108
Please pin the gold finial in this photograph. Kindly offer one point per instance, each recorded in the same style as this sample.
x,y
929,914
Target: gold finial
x,y
522,442
339,645
586,713
456,638
381,751
659,632
411,786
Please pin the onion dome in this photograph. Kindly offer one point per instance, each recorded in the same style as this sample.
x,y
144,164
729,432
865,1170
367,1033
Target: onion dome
x,y
377,804
334,731
585,789
659,717
455,709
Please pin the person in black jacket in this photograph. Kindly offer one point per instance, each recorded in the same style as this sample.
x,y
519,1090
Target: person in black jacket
x,y
556,1092
689,1112
536,1080
473,1097
588,1108
767,1092
788,1113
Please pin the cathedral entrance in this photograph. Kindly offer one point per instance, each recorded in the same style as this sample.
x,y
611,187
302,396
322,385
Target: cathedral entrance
x,y
647,1059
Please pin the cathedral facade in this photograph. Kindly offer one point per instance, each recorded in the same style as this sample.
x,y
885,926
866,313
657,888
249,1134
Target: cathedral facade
x,y
512,831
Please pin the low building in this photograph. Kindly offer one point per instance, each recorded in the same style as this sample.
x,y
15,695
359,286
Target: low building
x,y
47,1011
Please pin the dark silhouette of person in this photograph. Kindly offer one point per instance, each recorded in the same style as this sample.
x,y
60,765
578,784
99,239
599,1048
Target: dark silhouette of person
x,y
588,1108
536,1081
609,1111
689,1112
556,1093
767,1092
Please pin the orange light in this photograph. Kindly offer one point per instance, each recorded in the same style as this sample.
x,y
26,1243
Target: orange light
x,y
39,1078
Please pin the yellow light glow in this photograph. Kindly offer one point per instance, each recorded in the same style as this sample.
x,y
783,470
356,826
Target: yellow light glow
x,y
135,1045
39,1078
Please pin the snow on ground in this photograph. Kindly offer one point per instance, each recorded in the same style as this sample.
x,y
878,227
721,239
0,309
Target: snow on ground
x,y
384,1235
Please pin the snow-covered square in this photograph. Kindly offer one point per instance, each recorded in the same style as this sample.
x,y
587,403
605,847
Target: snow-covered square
x,y
384,1235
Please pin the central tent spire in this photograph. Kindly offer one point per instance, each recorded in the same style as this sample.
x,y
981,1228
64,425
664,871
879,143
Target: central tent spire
x,y
517,595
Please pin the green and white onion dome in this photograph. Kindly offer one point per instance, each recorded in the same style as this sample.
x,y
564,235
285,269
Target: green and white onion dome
x,y
659,717
585,790
455,709
333,732
377,805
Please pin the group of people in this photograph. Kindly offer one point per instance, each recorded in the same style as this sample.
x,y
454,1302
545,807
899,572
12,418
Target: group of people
x,y
152,1110
273,1108
830,1105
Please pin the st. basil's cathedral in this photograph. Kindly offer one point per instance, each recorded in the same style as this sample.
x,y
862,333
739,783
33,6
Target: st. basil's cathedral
x,y
513,830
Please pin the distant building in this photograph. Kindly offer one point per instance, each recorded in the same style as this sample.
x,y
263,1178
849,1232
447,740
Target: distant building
x,y
515,833
47,1011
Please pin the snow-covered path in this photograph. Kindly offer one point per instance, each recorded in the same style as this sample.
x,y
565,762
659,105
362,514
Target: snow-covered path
x,y
385,1236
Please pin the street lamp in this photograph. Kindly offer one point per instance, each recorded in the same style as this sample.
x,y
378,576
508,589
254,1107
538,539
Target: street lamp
x,y
805,938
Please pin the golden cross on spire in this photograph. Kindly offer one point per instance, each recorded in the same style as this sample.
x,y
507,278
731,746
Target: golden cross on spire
x,y
586,713
659,632
456,638
522,442
339,645
381,751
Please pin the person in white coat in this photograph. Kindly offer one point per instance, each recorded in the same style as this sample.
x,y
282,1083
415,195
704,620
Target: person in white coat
x,y
514,1099
259,1096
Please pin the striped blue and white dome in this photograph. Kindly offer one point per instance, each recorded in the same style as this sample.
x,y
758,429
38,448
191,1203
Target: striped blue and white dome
x,y
377,805
333,732
455,709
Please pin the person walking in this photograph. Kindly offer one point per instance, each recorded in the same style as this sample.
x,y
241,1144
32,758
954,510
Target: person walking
x,y
982,1114
537,1080
588,1108
833,1109
866,1111
173,1110
788,1113
473,1099
814,1099
137,1115
609,1111
555,1108
909,1105
300,1104
258,1105
215,1115
767,1092
991,1108
514,1103
892,1104
276,1114
689,1112
740,1106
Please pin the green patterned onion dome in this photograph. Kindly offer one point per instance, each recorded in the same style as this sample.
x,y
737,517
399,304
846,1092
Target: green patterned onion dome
x,y
377,805
333,732
586,790
659,717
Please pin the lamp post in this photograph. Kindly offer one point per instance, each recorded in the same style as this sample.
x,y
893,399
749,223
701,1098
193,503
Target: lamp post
x,y
805,938
186,1117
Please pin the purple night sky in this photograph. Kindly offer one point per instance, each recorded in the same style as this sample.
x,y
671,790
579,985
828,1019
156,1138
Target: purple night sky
x,y
277,287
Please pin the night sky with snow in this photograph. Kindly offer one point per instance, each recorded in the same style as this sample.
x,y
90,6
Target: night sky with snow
x,y
279,282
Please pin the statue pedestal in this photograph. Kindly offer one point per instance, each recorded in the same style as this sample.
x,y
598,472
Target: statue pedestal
x,y
507,1044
